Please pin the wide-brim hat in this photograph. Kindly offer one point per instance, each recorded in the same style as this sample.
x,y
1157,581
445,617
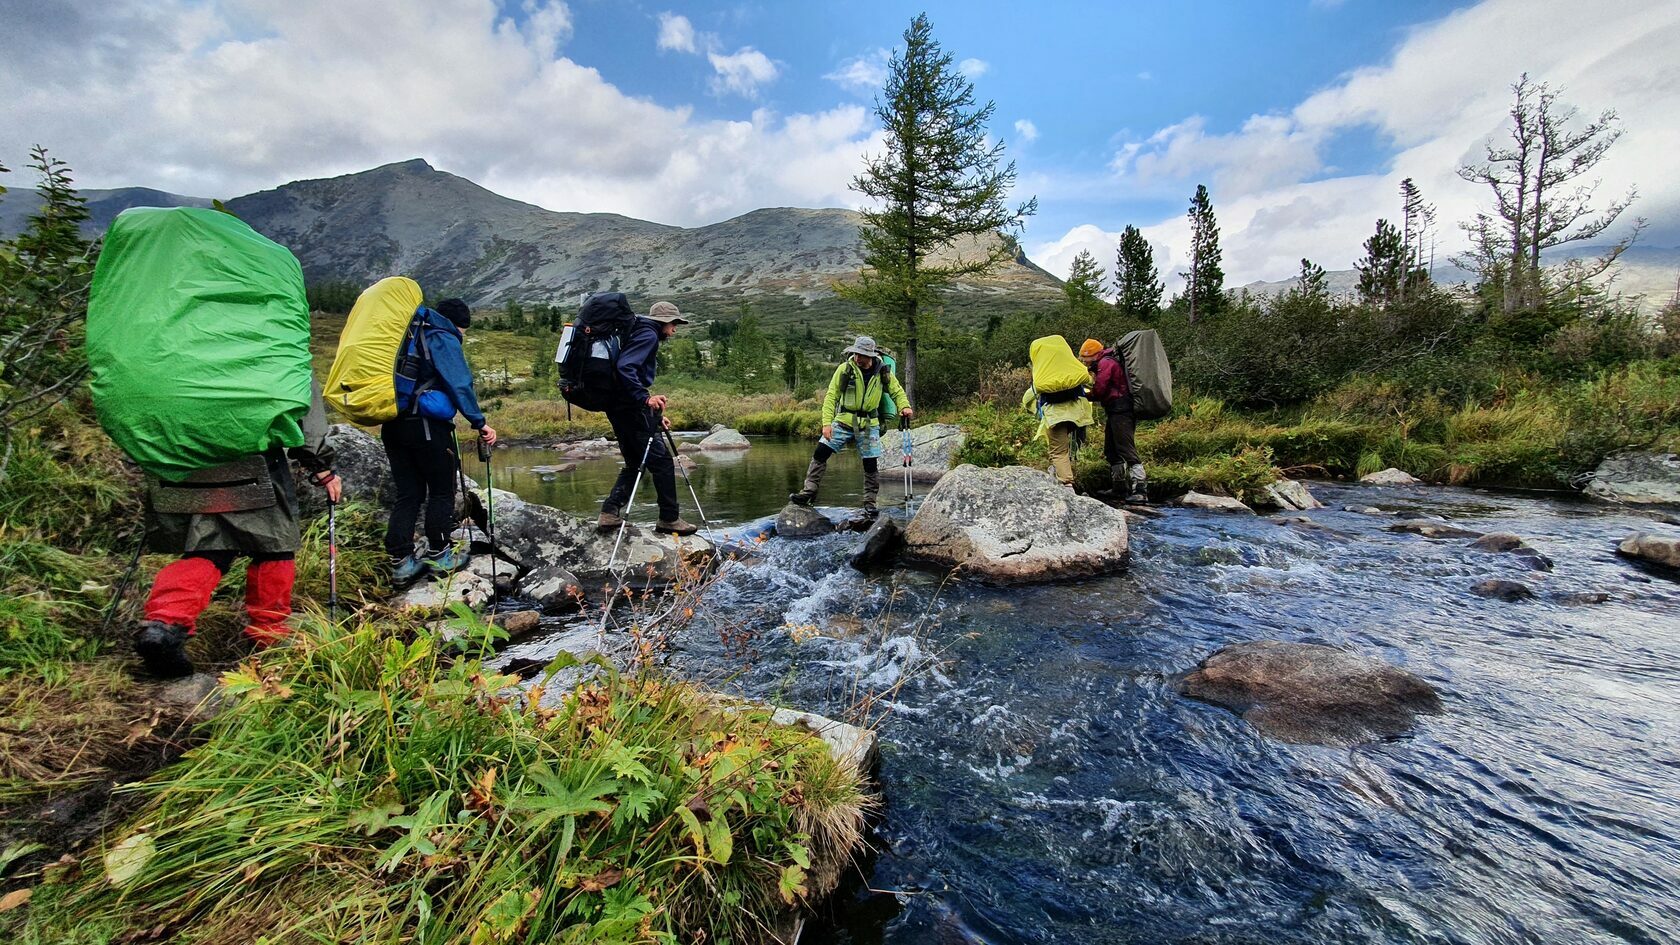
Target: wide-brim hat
x,y
865,346
666,314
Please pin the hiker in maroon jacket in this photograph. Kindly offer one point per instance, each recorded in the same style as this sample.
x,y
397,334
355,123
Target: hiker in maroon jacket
x,y
1109,388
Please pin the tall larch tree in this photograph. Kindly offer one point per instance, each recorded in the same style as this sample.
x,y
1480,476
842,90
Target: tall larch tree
x,y
941,180
1204,283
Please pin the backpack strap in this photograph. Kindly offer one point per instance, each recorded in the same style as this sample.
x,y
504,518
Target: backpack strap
x,y
415,338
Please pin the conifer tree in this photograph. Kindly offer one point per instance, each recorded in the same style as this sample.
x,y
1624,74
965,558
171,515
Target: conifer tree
x,y
1383,269
1205,282
1312,281
1136,282
1084,285
941,180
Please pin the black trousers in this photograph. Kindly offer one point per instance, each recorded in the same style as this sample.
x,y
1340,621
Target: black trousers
x,y
633,426
423,467
1120,436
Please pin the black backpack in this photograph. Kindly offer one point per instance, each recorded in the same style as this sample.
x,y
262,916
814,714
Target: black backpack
x,y
589,349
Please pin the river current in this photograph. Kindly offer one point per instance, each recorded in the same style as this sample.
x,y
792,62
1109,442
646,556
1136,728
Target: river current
x,y
1044,783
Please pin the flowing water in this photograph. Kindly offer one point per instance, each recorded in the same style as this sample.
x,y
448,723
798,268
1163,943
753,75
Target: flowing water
x,y
1044,783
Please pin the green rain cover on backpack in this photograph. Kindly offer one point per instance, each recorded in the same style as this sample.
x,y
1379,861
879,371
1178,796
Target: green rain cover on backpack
x,y
197,340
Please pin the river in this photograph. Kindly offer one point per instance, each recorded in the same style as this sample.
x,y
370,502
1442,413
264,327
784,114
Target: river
x,y
1044,783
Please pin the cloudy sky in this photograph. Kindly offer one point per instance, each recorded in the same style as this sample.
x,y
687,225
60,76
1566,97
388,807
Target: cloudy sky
x,y
1301,116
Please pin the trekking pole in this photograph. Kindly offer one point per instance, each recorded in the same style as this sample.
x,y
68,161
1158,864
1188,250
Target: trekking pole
x,y
908,447
624,518
489,508
332,560
672,443
122,585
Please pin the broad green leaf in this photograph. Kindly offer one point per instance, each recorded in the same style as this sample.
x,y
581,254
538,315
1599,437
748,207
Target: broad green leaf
x,y
792,884
695,832
800,855
719,840
124,861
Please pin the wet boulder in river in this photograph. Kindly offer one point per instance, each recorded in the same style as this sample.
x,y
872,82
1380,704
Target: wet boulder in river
x,y
799,521
881,545
1507,543
1390,477
1652,548
1499,589
1213,503
1639,477
1290,495
724,439
1432,528
1015,525
541,535
1311,694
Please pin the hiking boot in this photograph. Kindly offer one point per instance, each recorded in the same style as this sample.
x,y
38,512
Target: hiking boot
x,y
1138,493
608,521
447,561
802,499
163,649
813,481
869,512
407,570
676,527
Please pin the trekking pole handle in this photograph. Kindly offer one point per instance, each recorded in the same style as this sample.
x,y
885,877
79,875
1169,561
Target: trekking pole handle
x,y
483,450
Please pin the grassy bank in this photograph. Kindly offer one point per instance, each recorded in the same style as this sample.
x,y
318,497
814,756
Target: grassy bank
x,y
1529,432
363,787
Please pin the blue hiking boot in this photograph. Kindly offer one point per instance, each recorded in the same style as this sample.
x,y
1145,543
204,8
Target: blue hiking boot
x,y
447,561
407,570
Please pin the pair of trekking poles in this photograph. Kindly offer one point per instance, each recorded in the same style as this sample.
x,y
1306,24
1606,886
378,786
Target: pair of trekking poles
x,y
658,429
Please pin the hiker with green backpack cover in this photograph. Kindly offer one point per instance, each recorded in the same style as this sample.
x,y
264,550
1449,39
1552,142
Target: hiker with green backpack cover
x,y
853,413
197,298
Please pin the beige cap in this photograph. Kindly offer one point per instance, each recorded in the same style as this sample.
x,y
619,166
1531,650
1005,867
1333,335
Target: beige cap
x,y
666,313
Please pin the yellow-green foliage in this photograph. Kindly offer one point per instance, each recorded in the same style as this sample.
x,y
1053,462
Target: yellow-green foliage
x,y
361,787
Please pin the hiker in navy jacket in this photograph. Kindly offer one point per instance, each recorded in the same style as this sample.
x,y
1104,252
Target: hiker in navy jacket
x,y
637,427
420,443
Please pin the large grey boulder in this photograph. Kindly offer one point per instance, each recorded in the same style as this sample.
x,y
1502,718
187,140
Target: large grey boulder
x,y
1638,477
1653,548
1289,495
725,439
439,594
1311,694
934,448
1213,503
1015,525
1390,477
359,460
881,545
541,535
799,521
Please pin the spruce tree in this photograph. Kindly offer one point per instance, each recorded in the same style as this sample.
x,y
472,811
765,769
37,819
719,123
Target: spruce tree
x,y
1137,284
1205,282
1084,285
1312,282
1383,269
941,180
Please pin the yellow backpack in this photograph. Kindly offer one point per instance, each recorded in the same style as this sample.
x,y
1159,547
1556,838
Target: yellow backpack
x,y
362,383
1057,375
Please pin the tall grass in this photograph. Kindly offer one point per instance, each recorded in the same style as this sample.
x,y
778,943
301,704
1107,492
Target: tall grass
x,y
362,787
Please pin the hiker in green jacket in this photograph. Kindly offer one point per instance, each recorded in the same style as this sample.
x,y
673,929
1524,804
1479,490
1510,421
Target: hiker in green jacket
x,y
852,414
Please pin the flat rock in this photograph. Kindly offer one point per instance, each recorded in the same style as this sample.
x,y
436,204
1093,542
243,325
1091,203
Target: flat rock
x,y
1507,543
1653,548
1015,525
1432,528
543,536
1391,477
725,439
1583,598
1291,495
441,593
487,566
518,623
1501,589
798,521
552,588
685,462
1213,503
554,469
1638,477
849,744
1311,694
881,545
934,449
688,447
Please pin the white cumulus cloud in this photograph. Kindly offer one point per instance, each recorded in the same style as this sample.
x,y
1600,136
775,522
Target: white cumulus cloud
x,y
974,68
865,74
676,33
1442,93
1026,129
742,71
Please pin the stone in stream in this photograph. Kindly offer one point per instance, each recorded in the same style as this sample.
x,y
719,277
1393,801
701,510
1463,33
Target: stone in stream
x,y
1311,694
1291,495
1015,525
438,594
1638,477
552,588
1501,589
554,469
1390,477
1653,548
1432,528
491,568
1213,503
723,438
541,536
881,545
799,521
1507,543
934,448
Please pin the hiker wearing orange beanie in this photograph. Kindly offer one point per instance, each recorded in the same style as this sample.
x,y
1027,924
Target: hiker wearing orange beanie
x,y
1110,388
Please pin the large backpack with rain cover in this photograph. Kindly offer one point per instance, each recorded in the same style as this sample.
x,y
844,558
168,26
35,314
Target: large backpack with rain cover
x,y
1057,375
589,350
197,340
887,412
1148,373
362,384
